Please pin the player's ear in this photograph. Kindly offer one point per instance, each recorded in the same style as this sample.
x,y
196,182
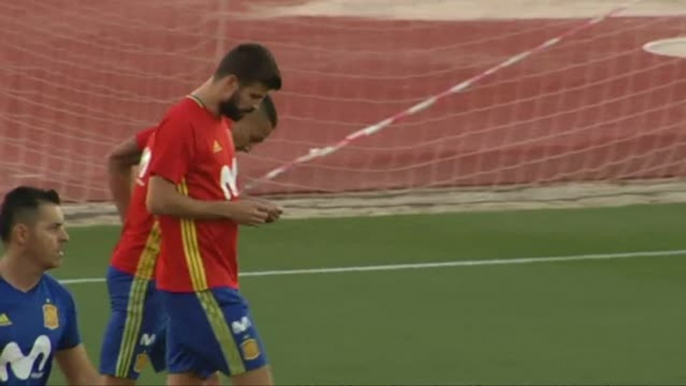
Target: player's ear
x,y
21,233
230,85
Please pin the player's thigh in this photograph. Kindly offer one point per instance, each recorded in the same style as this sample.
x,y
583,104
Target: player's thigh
x,y
257,377
186,379
192,350
110,380
261,376
135,333
213,380
224,337
251,354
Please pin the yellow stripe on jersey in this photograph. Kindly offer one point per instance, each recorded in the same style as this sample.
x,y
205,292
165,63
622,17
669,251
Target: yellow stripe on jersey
x,y
191,249
135,306
222,332
197,269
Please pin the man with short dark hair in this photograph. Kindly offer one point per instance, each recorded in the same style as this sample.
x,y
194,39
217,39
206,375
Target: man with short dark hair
x,y
37,314
135,334
193,191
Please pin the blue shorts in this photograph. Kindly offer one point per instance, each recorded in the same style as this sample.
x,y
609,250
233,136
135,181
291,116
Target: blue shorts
x,y
211,331
136,332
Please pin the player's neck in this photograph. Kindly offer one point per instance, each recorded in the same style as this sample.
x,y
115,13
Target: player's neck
x,y
204,95
18,272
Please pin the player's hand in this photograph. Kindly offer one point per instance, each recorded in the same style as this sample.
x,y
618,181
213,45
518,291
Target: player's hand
x,y
274,214
273,210
248,212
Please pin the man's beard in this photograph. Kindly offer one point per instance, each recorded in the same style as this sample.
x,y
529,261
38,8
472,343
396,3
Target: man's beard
x,y
230,109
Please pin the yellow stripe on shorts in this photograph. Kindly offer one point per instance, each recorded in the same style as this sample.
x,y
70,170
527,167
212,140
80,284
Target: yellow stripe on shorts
x,y
222,332
134,311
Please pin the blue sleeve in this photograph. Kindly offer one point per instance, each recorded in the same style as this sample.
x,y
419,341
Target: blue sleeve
x,y
70,336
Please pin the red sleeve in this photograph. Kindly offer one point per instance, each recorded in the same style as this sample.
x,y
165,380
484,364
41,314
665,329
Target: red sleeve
x,y
143,136
173,148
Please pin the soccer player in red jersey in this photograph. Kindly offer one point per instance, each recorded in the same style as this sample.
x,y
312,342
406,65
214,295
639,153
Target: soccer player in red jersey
x,y
193,191
136,330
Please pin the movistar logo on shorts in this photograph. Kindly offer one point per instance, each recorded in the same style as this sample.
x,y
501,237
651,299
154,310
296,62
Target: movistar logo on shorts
x,y
241,326
148,340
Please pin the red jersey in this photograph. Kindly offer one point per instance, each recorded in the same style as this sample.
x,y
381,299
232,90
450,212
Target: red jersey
x,y
194,150
139,242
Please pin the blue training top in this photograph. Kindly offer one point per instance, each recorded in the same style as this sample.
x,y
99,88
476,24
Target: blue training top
x,y
33,326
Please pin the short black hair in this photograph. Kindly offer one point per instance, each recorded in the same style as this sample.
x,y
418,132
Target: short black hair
x,y
250,63
20,201
268,108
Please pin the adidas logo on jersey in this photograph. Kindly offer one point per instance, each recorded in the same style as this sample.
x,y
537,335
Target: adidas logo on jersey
x,y
216,148
5,320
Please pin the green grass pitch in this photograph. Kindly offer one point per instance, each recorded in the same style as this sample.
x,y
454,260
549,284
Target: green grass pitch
x,y
613,321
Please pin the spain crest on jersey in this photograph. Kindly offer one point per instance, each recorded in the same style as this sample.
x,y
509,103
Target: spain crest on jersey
x,y
51,319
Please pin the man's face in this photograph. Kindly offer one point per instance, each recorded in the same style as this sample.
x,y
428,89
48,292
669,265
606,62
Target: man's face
x,y
250,131
44,237
241,100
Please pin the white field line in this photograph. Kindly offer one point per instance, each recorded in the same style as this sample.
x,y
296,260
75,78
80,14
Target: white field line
x,y
445,264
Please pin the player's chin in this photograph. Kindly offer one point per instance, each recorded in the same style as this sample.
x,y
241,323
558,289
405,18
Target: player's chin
x,y
55,262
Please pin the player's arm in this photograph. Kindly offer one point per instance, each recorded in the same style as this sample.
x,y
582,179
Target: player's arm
x,y
71,356
164,199
120,163
77,367
172,155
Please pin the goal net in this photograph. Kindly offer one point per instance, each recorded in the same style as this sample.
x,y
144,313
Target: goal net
x,y
592,106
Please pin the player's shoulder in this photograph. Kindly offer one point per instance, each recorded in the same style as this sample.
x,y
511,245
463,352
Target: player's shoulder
x,y
56,287
184,109
180,117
